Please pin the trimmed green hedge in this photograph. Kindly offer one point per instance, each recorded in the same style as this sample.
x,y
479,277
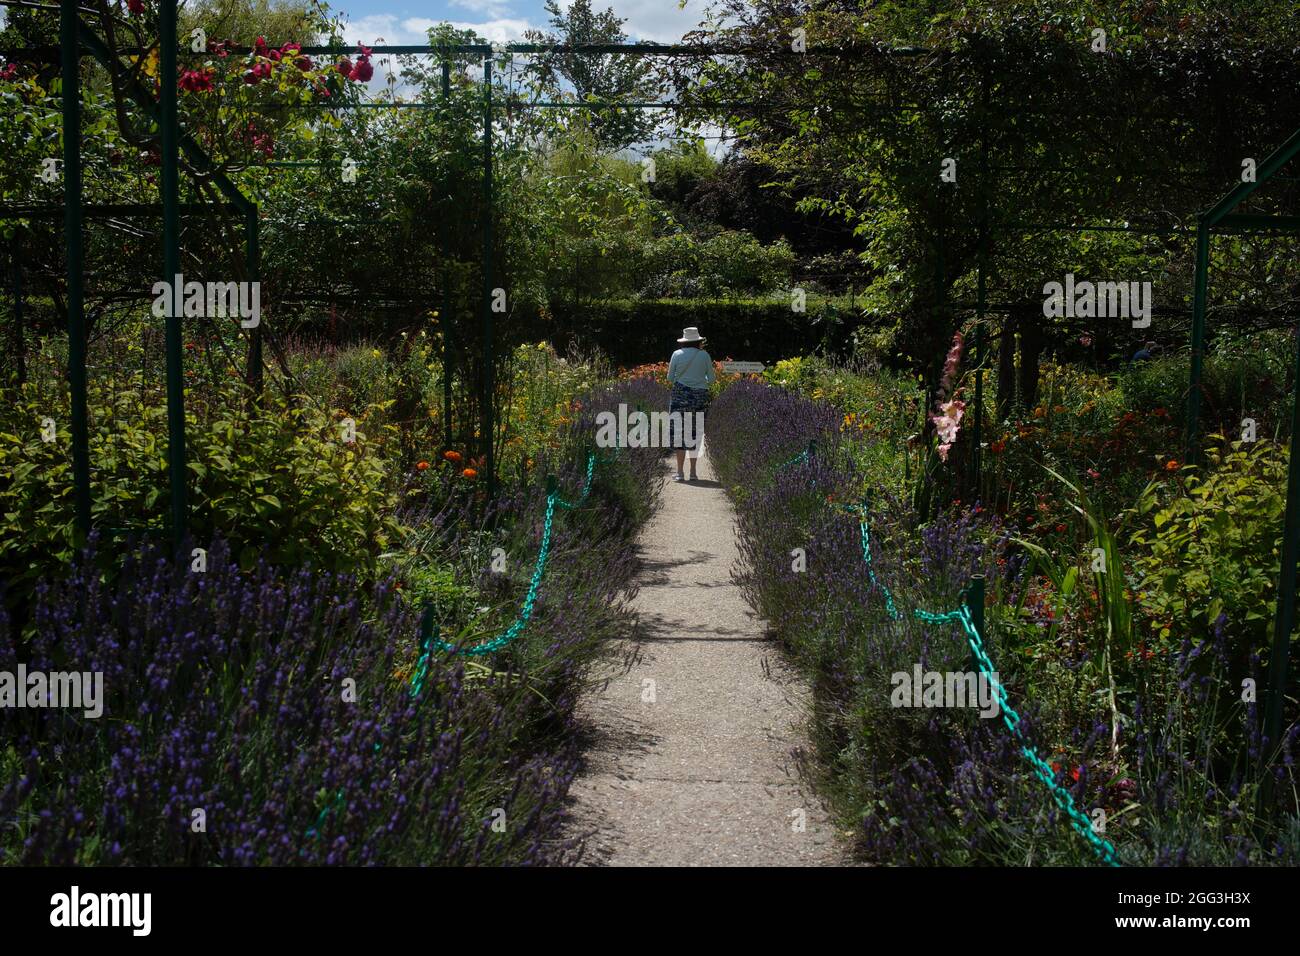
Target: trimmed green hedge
x,y
635,332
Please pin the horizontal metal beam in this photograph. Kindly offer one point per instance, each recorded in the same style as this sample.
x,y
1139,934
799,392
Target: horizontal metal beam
x,y
1136,229
117,209
589,49
1263,172
1245,220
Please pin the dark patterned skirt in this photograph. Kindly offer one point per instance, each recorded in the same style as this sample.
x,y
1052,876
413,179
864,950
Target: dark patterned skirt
x,y
687,401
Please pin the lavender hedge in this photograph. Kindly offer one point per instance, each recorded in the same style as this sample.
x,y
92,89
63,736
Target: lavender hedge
x,y
943,786
267,717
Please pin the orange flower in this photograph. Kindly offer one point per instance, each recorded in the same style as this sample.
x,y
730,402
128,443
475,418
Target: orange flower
x,y
469,473
998,447
451,455
1171,465
422,466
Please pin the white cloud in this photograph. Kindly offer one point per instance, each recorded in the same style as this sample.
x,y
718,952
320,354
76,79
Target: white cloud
x,y
660,21
494,9
413,30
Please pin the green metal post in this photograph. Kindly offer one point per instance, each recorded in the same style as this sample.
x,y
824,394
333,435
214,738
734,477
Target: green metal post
x,y
172,264
426,625
70,51
975,602
253,261
17,343
981,294
446,289
488,426
1284,621
1199,293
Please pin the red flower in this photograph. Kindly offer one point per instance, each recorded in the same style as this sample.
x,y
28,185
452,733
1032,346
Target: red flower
x,y
259,72
290,49
10,72
422,466
135,6
195,81
362,71
344,66
303,63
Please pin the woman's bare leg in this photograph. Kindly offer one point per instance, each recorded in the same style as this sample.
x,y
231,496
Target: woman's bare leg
x,y
681,457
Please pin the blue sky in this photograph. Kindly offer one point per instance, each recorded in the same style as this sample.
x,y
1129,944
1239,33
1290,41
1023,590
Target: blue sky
x,y
405,21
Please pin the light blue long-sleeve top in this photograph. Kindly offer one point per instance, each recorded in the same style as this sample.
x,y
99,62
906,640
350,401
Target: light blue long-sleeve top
x,y
692,367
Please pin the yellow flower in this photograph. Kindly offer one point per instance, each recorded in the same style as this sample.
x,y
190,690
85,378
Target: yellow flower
x,y
151,63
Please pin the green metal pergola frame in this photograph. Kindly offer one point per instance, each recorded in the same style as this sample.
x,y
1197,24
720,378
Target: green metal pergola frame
x,y
76,39
1221,218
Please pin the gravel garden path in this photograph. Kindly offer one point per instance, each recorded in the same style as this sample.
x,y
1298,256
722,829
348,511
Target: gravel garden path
x,y
695,733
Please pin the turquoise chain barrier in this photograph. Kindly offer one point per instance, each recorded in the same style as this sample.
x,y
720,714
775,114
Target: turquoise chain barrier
x,y
1042,770
865,535
516,628
803,456
553,500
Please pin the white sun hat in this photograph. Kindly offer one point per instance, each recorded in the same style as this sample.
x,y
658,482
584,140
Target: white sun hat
x,y
691,334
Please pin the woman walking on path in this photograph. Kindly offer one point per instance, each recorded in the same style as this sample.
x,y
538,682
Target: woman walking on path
x,y
690,372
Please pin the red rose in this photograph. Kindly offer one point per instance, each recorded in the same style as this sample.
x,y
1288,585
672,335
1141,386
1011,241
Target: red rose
x,y
303,63
344,66
195,81
362,71
135,6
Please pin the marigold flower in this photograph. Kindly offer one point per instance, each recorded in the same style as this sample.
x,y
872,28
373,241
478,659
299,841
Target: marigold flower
x,y
469,473
422,466
451,455
1171,465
